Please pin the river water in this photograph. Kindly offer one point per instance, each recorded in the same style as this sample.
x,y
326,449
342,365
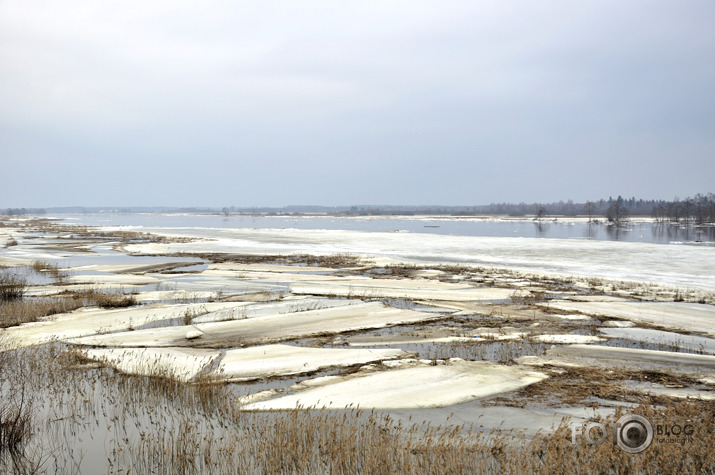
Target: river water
x,y
564,228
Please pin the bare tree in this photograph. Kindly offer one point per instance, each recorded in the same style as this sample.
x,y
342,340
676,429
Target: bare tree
x,y
590,207
540,215
617,213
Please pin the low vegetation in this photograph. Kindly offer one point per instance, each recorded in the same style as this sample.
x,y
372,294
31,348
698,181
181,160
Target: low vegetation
x,y
157,425
48,268
32,309
329,260
17,308
15,425
115,299
12,286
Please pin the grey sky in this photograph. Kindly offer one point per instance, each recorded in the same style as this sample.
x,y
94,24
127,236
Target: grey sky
x,y
213,103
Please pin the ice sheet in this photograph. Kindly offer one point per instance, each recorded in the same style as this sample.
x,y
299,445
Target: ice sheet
x,y
692,317
252,310
183,364
571,317
647,335
672,265
420,386
567,338
391,340
269,328
280,360
227,285
238,267
614,357
385,289
175,295
680,393
113,279
93,321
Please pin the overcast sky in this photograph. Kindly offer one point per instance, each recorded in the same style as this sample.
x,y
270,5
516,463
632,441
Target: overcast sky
x,y
219,103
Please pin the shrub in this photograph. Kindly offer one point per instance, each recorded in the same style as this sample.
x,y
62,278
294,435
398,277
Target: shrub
x,y
12,286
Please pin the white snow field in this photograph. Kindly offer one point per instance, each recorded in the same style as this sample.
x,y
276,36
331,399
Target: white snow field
x,y
678,265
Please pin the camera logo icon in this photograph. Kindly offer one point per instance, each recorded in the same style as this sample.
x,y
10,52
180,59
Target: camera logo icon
x,y
633,433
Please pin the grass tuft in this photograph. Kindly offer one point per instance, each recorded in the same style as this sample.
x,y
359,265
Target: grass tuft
x,y
12,286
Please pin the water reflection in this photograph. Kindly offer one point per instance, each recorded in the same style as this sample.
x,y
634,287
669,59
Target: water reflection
x,y
591,230
617,233
676,232
541,228
456,226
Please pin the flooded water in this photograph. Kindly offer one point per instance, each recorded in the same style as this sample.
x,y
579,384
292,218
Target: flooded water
x,y
643,252
90,419
564,228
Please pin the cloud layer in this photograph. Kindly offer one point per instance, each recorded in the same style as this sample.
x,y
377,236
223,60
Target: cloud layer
x,y
395,102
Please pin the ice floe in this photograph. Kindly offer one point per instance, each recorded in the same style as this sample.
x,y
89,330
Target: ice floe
x,y
397,289
575,317
94,321
266,361
392,340
421,386
614,357
692,317
242,364
252,309
268,328
680,393
658,337
567,338
182,364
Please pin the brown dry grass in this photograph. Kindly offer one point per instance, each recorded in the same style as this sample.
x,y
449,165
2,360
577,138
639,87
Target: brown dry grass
x,y
578,385
307,442
12,286
89,233
15,423
117,299
197,429
335,261
32,309
40,266
555,453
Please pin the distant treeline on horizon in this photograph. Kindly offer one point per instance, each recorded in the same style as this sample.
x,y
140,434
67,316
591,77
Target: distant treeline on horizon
x,y
698,209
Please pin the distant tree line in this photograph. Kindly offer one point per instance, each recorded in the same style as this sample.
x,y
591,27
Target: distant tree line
x,y
619,208
699,209
22,211
616,210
